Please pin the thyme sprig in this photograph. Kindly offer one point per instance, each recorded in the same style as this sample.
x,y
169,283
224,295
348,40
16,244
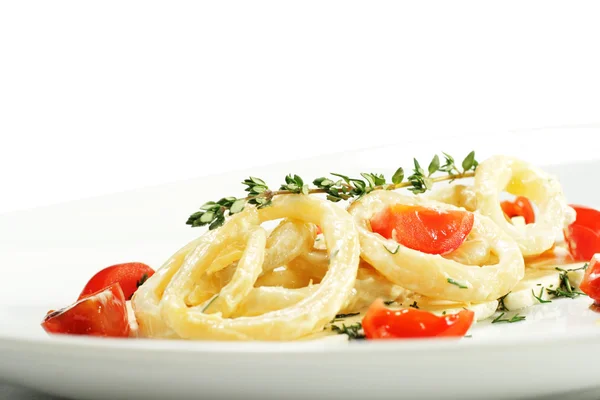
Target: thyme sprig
x,y
338,187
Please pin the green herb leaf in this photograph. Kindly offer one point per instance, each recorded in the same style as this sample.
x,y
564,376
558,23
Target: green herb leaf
x,y
237,206
460,285
207,217
210,205
392,252
344,177
418,169
469,161
501,306
448,166
565,289
353,331
398,176
434,165
347,315
209,303
539,297
515,318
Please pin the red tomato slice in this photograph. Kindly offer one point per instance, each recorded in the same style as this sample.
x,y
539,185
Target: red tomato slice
x,y
521,207
381,322
587,216
102,314
424,229
128,275
590,284
583,235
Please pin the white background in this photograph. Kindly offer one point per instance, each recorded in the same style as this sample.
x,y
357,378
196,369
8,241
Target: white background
x,y
98,97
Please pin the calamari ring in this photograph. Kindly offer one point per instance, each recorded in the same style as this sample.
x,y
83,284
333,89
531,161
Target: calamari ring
x,y
146,299
499,173
242,282
429,274
287,241
458,195
369,286
303,318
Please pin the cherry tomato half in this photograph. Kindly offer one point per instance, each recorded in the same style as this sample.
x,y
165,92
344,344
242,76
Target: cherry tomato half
x,y
381,322
129,275
590,284
101,314
424,229
520,207
583,235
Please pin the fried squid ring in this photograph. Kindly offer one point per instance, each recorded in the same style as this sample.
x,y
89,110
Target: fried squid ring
x,y
300,319
499,173
429,274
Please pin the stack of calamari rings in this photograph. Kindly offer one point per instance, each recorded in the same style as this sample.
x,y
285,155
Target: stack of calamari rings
x,y
242,282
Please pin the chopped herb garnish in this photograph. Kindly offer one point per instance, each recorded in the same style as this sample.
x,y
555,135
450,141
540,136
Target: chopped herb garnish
x,y
539,297
341,316
501,305
515,318
460,285
210,302
565,289
334,253
392,252
389,302
582,268
414,305
353,331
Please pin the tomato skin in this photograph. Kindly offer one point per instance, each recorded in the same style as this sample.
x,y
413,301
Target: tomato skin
x,y
590,284
583,235
127,275
520,207
101,314
424,229
381,322
587,216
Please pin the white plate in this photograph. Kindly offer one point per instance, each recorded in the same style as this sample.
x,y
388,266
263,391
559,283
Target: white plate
x,y
47,255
